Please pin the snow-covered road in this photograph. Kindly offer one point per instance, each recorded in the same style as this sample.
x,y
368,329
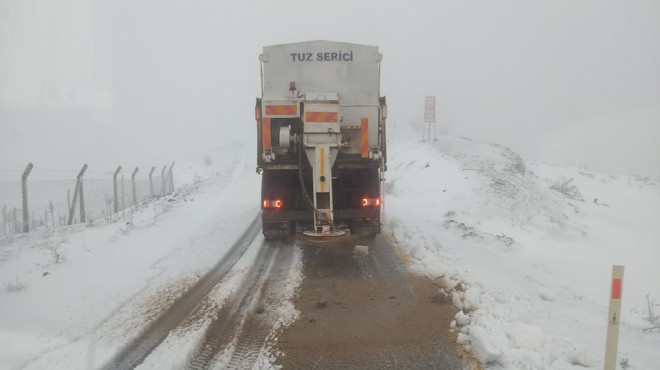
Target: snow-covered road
x,y
528,266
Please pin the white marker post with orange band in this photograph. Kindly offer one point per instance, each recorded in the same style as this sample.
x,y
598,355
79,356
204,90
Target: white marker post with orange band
x,y
614,318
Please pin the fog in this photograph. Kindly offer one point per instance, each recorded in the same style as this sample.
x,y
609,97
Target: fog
x,y
149,82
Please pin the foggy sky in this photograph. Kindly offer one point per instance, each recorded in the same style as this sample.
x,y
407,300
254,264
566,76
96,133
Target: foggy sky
x,y
572,82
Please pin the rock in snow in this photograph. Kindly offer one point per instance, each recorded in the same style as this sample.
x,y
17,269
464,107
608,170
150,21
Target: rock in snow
x,y
482,349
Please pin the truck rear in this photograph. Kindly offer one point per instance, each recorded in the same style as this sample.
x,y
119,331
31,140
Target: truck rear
x,y
321,147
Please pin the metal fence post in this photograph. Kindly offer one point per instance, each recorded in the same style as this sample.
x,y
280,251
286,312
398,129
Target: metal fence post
x,y
114,182
162,178
123,199
74,202
78,193
26,217
80,190
151,183
52,218
133,185
171,175
15,220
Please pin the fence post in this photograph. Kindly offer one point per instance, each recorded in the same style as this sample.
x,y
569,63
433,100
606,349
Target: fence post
x,y
78,193
171,175
108,202
52,219
151,184
26,217
15,220
123,196
72,209
80,190
114,182
162,178
133,184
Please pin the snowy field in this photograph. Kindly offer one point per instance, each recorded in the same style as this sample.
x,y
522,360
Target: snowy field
x,y
533,263
528,266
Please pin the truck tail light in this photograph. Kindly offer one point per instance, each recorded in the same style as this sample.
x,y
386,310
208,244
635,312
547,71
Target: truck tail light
x,y
370,202
272,203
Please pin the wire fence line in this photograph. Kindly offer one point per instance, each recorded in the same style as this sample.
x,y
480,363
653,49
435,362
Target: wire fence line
x,y
62,197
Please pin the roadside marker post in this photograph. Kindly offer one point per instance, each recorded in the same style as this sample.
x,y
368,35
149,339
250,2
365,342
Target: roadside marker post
x,y
613,318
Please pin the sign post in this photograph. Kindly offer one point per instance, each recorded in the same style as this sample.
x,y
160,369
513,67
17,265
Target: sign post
x,y
613,318
429,116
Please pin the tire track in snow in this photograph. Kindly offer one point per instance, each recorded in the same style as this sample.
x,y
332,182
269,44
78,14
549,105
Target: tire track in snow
x,y
236,338
140,347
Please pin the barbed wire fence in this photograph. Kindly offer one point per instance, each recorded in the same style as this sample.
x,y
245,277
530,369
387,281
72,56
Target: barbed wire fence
x,y
41,198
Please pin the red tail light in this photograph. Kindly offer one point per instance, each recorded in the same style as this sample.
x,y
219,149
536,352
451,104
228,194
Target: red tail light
x,y
272,203
370,202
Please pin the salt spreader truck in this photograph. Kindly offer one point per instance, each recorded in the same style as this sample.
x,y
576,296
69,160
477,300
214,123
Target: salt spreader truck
x,y
321,147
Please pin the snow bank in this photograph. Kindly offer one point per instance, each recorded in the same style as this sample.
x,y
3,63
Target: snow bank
x,y
527,265
482,348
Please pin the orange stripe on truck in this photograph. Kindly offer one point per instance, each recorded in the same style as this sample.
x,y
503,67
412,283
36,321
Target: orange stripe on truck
x,y
265,132
282,110
364,138
321,117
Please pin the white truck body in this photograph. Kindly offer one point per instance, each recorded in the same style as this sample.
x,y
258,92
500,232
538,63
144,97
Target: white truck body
x,y
321,138
351,71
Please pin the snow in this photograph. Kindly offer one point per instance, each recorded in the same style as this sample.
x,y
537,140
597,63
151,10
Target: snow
x,y
482,348
461,318
528,268
72,296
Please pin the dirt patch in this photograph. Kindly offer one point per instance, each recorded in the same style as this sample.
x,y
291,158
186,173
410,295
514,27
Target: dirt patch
x,y
364,312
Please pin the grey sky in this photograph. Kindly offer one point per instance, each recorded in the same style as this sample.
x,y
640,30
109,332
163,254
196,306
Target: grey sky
x,y
574,82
